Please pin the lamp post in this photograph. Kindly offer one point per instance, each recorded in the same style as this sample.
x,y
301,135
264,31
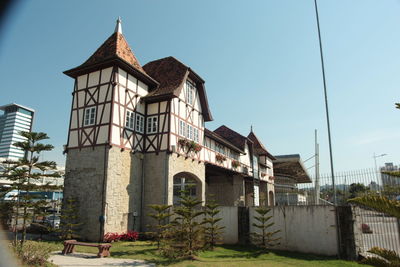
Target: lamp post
x,y
376,168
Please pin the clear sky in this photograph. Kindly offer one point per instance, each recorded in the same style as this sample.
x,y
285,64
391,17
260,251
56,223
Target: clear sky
x,y
260,61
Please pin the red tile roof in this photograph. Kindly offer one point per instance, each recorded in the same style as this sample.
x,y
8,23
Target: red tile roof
x,y
233,137
171,75
114,48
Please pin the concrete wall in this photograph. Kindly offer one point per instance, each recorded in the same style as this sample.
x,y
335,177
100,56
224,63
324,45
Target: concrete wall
x,y
229,220
308,229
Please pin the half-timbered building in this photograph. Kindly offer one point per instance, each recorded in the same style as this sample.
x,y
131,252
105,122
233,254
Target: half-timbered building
x,y
137,136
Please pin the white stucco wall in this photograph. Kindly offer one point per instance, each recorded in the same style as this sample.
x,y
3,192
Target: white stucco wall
x,y
308,229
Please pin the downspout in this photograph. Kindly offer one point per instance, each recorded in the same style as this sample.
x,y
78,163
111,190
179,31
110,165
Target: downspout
x,y
166,177
102,218
142,194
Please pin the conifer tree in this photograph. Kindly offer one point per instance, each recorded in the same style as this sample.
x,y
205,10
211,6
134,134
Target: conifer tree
x,y
212,231
187,228
263,238
24,175
69,219
161,214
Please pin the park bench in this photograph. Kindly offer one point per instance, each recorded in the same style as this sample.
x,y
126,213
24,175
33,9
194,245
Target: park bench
x,y
69,245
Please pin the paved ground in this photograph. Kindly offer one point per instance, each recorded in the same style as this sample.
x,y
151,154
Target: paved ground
x,y
90,260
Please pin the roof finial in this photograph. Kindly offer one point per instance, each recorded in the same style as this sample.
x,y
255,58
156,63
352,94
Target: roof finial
x,y
118,27
251,128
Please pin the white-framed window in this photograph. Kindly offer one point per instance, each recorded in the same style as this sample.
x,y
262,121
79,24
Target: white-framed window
x,y
182,128
139,123
90,116
234,155
195,135
130,120
189,132
152,124
220,148
190,91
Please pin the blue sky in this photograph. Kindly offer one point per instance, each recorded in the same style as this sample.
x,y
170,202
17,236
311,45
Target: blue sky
x,y
260,61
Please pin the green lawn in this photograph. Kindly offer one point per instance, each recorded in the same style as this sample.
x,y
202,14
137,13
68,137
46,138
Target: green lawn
x,y
228,255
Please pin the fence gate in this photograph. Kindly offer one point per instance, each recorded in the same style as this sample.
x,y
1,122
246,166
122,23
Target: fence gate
x,y
377,230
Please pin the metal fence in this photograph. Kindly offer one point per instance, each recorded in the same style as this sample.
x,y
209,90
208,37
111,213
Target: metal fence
x,y
350,184
376,229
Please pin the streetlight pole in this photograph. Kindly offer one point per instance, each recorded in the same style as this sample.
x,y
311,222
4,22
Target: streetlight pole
x,y
376,169
326,104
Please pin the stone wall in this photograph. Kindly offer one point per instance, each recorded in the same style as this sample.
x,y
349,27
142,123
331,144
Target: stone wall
x,y
123,190
84,178
178,164
227,190
94,173
159,173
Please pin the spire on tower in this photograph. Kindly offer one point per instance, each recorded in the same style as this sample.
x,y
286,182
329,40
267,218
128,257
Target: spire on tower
x,y
118,27
251,128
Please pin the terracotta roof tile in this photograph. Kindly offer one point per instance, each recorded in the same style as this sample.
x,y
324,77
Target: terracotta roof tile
x,y
169,72
115,46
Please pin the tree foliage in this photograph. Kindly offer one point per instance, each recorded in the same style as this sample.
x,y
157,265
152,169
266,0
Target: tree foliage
x,y
263,237
25,175
379,203
161,214
69,219
212,231
186,233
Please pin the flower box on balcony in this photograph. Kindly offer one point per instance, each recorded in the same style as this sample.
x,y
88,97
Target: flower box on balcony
x,y
220,158
235,164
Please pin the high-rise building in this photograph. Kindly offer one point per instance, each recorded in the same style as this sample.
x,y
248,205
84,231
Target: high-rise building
x,y
15,118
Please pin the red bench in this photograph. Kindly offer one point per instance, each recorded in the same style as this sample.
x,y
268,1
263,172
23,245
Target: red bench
x,y
69,245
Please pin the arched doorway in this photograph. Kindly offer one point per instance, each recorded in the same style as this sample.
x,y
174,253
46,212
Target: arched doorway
x,y
186,182
271,201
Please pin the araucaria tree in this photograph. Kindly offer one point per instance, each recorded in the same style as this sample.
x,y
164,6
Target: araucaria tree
x,y
263,237
186,233
25,175
69,219
212,231
161,214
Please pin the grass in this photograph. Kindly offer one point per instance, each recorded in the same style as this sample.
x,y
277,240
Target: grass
x,y
227,255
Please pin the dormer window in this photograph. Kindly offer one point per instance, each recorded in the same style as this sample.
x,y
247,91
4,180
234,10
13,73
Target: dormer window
x,y
90,115
190,91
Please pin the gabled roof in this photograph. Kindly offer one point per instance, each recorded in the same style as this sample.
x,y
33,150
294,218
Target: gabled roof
x,y
233,137
258,146
171,75
221,140
114,48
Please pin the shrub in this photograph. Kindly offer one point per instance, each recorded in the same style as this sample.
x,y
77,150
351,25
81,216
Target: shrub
x,y
33,253
114,237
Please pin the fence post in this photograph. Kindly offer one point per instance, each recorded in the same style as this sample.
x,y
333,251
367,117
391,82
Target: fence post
x,y
347,239
243,225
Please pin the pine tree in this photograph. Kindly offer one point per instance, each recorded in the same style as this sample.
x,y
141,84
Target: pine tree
x,y
212,231
161,214
186,234
69,219
24,174
263,238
